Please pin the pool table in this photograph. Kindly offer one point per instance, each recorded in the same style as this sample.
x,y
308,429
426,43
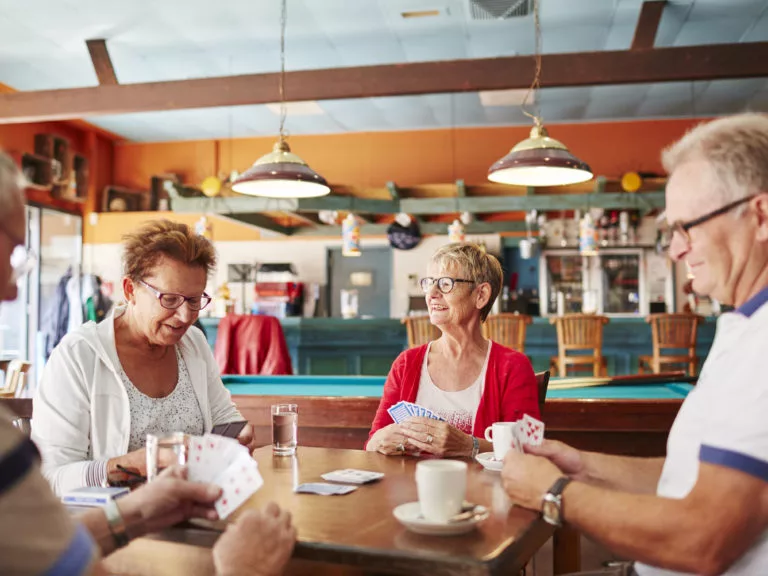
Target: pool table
x,y
626,416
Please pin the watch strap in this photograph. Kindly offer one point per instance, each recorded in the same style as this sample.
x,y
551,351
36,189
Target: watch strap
x,y
475,447
116,523
559,485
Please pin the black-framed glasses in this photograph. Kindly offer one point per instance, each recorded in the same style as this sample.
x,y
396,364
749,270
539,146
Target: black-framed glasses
x,y
445,284
172,301
682,228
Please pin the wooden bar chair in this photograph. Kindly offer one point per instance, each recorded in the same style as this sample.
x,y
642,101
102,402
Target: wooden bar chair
x,y
579,332
672,332
507,329
420,330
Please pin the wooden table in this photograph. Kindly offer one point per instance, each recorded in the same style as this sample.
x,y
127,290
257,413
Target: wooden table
x,y
359,531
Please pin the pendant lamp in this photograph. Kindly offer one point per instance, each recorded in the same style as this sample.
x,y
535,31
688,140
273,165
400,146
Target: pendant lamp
x,y
281,173
539,160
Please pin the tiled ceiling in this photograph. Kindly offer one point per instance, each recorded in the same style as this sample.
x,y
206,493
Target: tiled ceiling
x,y
42,46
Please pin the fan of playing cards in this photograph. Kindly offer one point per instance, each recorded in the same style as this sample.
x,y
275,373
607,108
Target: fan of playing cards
x,y
227,464
528,430
404,410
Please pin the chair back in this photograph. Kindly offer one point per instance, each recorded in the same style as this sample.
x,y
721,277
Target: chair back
x,y
542,383
580,332
420,330
507,329
674,331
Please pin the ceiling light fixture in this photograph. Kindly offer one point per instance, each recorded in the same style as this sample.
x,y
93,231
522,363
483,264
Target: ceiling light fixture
x,y
281,173
539,160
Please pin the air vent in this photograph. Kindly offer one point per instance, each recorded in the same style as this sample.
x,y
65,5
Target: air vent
x,y
499,9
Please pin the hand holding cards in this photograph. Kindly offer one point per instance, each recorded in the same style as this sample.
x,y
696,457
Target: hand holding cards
x,y
225,463
514,435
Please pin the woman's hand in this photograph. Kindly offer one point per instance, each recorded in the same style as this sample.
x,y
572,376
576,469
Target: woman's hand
x,y
246,437
436,437
389,441
136,462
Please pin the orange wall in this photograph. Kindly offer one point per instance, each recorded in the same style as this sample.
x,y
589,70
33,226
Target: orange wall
x,y
369,160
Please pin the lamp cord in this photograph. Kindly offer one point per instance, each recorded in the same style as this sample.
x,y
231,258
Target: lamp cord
x,y
535,85
283,108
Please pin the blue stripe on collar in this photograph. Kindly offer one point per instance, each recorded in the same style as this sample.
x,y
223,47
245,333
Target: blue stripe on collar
x,y
753,304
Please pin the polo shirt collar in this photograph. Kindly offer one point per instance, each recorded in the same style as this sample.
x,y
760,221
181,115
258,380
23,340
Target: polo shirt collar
x,y
753,304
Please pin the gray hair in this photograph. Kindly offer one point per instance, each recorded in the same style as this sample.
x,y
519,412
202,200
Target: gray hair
x,y
736,149
476,263
11,186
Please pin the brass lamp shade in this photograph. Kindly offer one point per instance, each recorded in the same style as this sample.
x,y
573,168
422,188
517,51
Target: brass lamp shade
x,y
281,174
539,161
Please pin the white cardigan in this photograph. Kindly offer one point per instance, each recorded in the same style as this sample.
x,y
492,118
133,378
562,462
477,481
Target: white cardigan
x,y
81,409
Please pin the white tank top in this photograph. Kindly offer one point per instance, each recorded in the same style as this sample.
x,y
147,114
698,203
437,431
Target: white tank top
x,y
458,408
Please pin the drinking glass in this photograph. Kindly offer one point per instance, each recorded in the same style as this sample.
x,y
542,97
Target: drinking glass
x,y
165,450
284,429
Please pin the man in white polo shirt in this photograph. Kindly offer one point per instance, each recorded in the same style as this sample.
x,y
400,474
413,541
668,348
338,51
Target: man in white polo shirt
x,y
703,509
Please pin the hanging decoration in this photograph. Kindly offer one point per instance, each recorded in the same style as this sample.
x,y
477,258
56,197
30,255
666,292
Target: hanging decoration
x,y
350,236
281,173
456,232
539,160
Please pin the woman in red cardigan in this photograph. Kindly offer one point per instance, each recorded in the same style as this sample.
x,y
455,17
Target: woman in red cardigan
x,y
469,381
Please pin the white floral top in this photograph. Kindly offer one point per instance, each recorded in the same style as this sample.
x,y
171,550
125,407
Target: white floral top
x,y
177,412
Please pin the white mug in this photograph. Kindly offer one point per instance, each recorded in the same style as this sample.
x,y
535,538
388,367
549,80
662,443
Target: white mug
x,y
501,434
441,485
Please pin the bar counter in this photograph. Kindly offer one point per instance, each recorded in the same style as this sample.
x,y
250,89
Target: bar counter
x,y
367,347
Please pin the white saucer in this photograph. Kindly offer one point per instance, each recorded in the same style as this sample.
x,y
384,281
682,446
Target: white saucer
x,y
409,515
489,462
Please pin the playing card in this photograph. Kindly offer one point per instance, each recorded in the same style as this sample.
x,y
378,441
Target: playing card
x,y
533,430
239,481
399,412
211,454
324,489
352,476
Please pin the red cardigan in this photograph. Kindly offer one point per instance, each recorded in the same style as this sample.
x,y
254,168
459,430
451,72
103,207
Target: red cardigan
x,y
510,388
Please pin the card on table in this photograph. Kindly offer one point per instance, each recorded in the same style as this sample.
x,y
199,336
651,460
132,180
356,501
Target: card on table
x,y
352,476
324,489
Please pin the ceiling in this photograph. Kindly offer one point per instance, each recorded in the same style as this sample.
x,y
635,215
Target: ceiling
x,y
42,46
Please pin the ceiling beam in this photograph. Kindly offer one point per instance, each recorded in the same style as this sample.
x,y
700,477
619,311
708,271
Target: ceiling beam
x,y
648,25
668,64
259,221
421,206
102,63
425,228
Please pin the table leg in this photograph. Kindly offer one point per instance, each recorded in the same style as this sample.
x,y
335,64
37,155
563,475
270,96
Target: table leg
x,y
566,550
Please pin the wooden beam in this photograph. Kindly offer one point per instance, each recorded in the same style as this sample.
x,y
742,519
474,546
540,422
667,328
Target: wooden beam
x,y
648,24
421,206
425,227
259,221
102,63
668,64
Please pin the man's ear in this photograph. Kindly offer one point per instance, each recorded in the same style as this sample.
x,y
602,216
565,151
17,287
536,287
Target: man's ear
x,y
760,205
129,290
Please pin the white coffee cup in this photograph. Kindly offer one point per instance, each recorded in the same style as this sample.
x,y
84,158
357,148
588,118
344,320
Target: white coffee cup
x,y
441,485
501,434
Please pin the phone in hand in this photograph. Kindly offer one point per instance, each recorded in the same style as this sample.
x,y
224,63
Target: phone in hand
x,y
229,429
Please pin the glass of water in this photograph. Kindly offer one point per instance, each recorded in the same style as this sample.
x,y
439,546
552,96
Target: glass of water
x,y
165,450
285,419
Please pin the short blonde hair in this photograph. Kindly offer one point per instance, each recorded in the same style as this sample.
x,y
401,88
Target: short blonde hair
x,y
476,263
736,149
11,186
158,238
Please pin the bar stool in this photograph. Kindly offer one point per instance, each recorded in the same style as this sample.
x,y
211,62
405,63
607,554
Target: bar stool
x,y
582,332
507,329
672,331
420,330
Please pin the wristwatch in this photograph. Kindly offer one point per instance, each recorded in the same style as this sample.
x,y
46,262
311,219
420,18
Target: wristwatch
x,y
552,503
475,447
116,523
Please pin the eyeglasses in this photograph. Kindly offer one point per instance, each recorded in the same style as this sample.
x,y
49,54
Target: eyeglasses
x,y
682,228
172,301
444,284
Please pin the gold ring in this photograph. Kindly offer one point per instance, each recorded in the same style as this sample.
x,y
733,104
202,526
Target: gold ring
x,y
401,447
